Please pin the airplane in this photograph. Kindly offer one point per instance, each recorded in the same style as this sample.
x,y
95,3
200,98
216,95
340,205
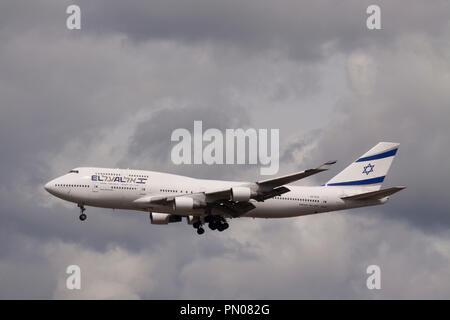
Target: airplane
x,y
169,197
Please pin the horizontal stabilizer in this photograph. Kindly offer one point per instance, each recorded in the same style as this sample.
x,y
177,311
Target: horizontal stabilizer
x,y
374,194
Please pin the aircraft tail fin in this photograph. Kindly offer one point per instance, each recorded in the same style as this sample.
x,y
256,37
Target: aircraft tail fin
x,y
369,170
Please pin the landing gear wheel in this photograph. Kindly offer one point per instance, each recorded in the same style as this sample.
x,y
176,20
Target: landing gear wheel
x,y
83,216
200,230
212,225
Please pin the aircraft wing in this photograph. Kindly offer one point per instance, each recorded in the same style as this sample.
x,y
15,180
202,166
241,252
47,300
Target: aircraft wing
x,y
234,209
270,188
144,201
222,199
275,182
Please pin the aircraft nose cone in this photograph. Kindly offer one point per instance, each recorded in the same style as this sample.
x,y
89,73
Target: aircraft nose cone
x,y
48,186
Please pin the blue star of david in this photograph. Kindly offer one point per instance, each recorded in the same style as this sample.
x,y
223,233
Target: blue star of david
x,y
368,169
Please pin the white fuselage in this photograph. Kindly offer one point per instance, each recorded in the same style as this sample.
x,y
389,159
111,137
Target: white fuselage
x,y
120,188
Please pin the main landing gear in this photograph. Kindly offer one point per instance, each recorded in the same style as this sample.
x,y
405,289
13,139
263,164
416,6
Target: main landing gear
x,y
217,223
214,223
83,216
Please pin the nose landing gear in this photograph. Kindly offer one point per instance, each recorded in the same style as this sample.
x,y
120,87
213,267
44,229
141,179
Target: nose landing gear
x,y
198,225
83,216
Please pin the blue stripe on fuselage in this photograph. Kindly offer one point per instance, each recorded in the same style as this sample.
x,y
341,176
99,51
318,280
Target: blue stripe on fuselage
x,y
358,182
386,154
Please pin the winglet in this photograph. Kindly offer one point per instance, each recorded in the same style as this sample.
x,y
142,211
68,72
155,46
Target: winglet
x,y
326,165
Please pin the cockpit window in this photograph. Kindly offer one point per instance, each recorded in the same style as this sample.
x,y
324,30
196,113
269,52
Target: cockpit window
x,y
74,171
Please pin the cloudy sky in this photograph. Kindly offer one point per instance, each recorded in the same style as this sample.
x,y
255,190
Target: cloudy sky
x,y
111,93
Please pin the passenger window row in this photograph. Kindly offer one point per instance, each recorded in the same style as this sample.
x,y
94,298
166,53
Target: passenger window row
x,y
118,174
173,191
125,188
297,199
72,185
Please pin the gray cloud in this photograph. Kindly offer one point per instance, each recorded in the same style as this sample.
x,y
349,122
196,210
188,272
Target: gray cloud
x,y
300,28
338,248
152,138
408,103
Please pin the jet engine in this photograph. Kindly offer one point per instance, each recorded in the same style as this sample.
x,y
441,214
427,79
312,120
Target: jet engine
x,y
183,203
163,218
240,194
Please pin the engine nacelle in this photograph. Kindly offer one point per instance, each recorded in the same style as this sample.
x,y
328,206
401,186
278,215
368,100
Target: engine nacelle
x,y
183,203
241,194
163,218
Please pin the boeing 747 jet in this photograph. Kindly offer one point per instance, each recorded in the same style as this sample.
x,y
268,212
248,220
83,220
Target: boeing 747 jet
x,y
169,197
